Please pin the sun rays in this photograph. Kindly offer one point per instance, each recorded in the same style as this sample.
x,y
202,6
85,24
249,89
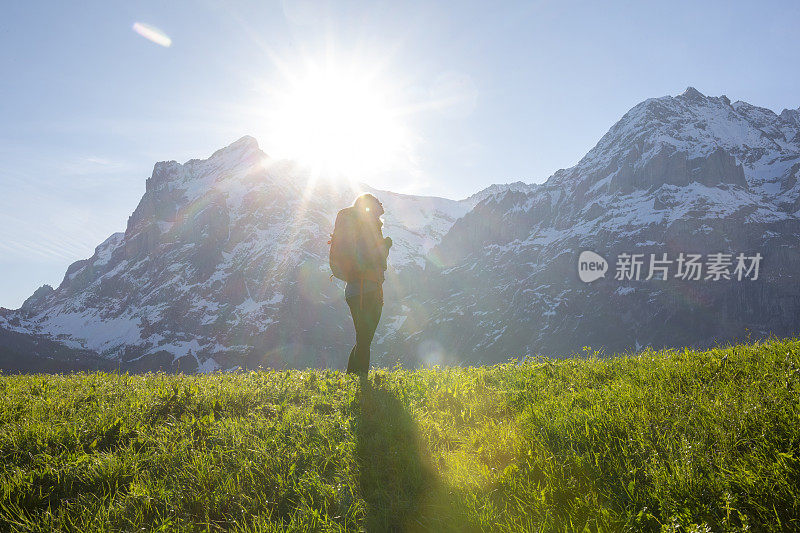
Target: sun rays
x,y
340,120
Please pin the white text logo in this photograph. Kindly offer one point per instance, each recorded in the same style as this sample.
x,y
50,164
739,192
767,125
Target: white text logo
x,y
591,266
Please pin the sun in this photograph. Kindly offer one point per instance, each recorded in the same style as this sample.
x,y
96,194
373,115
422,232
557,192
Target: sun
x,y
340,121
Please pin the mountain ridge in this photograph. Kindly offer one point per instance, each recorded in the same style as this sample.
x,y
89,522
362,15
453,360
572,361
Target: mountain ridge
x,y
222,263
660,181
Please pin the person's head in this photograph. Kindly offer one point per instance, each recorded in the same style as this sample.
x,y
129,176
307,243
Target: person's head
x,y
367,204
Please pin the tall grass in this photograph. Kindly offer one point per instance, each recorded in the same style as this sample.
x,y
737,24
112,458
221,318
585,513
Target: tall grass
x,y
674,440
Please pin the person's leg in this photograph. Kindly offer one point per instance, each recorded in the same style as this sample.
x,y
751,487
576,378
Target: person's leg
x,y
366,313
355,312
371,316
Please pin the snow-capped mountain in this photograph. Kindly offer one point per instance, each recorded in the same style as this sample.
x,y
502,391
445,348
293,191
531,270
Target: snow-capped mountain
x,y
685,174
224,262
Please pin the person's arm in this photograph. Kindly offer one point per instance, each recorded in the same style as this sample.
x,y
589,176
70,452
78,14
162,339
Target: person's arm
x,y
387,243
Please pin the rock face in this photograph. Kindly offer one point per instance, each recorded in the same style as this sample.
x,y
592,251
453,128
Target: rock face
x,y
224,262
670,167
689,174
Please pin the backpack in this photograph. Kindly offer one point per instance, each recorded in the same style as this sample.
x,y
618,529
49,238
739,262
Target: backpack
x,y
343,245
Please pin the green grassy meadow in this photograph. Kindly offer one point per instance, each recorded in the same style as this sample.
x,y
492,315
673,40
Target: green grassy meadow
x,y
674,440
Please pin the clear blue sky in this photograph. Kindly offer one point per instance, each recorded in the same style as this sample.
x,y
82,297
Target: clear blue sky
x,y
88,105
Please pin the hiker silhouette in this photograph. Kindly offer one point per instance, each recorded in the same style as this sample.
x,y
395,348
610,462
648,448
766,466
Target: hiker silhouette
x,y
358,256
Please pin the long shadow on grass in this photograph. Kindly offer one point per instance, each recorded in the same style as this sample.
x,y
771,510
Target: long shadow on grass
x,y
398,483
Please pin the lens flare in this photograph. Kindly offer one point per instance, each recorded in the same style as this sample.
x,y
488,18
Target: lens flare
x,y
152,34
337,119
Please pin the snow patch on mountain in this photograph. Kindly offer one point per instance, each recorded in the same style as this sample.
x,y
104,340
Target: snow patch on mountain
x,y
218,243
224,261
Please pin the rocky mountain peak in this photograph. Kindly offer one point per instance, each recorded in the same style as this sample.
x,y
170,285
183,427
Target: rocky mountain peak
x,y
692,94
38,296
246,144
498,189
224,261
676,139
791,116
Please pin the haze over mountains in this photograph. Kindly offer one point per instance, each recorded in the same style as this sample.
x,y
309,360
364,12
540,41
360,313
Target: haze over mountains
x,y
224,262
